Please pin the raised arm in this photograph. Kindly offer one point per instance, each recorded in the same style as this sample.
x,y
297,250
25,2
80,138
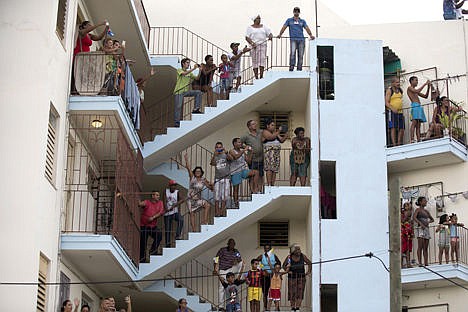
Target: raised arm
x,y
187,165
186,72
90,28
101,35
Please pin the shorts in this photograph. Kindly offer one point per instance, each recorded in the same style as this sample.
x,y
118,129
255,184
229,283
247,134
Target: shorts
x,y
423,233
444,239
235,73
254,293
221,189
225,84
274,294
236,178
233,307
417,112
454,239
257,165
397,120
299,170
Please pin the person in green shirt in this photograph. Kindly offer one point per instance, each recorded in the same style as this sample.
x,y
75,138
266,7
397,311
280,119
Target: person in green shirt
x,y
182,89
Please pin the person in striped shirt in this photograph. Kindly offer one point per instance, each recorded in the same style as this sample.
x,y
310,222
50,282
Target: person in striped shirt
x,y
254,291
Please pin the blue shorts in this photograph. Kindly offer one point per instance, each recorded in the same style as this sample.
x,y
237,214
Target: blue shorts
x,y
226,84
233,307
236,178
417,112
257,165
397,120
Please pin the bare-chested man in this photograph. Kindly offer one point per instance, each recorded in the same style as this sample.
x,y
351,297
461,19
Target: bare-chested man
x,y
417,112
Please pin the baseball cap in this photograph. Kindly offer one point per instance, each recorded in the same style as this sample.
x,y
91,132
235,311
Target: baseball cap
x,y
234,44
172,182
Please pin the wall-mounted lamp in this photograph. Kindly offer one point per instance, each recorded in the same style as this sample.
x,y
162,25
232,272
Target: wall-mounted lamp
x,y
96,123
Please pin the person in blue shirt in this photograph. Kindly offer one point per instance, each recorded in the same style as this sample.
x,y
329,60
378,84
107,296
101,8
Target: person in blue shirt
x,y
297,40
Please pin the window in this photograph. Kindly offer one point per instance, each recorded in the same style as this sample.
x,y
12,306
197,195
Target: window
x,y
52,139
328,189
329,297
275,233
280,119
41,288
326,72
64,291
86,300
61,18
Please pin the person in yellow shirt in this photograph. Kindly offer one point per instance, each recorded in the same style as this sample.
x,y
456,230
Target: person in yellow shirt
x,y
182,89
394,103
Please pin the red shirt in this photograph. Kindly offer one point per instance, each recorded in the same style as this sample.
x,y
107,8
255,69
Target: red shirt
x,y
85,45
151,208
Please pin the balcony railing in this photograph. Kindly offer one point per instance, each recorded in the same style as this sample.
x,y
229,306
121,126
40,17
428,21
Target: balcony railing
x,y
145,25
101,74
456,130
199,279
433,250
101,163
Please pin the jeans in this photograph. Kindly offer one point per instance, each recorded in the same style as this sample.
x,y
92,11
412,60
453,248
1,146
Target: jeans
x,y
178,100
155,233
296,45
168,226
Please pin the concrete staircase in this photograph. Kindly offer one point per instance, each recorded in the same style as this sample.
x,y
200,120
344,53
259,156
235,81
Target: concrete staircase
x,y
252,96
169,287
236,219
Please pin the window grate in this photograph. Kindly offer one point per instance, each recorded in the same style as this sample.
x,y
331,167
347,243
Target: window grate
x,y
41,288
275,233
280,119
61,18
51,146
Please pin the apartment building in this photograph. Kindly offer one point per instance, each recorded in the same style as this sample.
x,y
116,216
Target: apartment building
x,y
91,144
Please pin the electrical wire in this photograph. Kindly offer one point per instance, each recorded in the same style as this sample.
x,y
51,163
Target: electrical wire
x,y
368,255
445,278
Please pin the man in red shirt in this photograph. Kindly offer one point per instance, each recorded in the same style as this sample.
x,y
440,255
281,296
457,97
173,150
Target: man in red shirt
x,y
152,209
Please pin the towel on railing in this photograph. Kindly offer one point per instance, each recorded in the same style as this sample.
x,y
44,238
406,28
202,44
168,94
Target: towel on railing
x,y
132,97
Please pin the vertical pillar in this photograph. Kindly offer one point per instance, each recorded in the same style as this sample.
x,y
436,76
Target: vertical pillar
x,y
395,244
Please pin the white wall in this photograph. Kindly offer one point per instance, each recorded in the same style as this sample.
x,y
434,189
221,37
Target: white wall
x,y
35,70
419,45
232,18
352,133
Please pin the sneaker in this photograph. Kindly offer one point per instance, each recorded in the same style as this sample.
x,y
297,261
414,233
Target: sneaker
x,y
196,111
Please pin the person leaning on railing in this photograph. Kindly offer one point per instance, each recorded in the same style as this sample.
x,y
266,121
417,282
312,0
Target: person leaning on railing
x,y
152,210
85,37
181,90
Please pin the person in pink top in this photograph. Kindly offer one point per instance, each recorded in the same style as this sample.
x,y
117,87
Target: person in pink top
x,y
152,210
85,38
225,77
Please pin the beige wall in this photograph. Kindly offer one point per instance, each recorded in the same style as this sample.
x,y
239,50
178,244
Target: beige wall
x,y
454,296
454,178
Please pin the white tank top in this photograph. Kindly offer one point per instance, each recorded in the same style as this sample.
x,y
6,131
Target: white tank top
x,y
171,200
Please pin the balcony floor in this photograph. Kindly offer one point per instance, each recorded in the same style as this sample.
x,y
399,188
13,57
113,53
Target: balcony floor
x,y
420,278
431,153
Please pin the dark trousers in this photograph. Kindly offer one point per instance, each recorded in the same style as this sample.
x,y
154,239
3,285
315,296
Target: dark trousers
x,y
168,226
155,233
266,281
